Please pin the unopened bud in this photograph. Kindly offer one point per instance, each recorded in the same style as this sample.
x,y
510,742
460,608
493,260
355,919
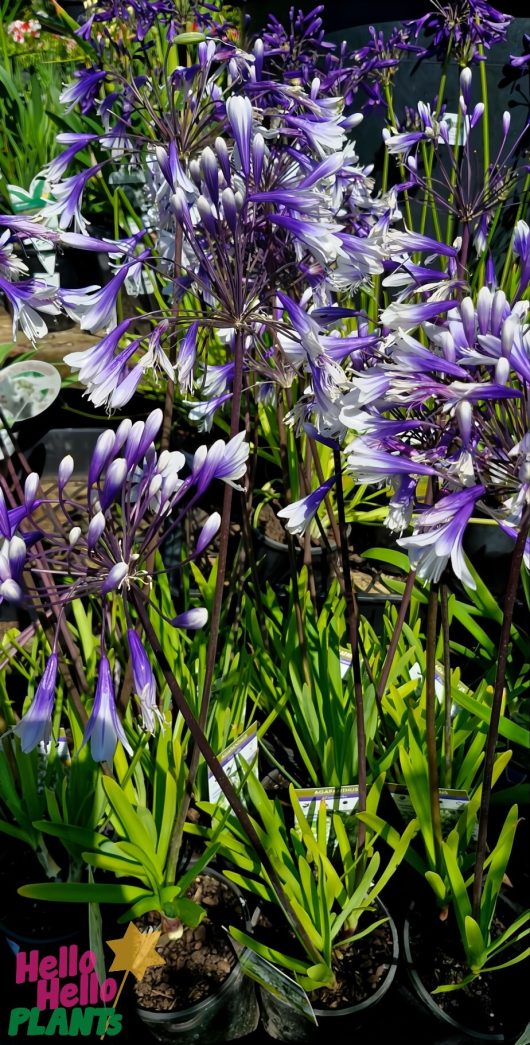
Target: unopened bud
x,y
65,471
502,371
507,337
74,536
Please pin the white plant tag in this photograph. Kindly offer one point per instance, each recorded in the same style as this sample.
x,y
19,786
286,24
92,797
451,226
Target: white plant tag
x,y
451,804
277,983
341,800
235,760
451,119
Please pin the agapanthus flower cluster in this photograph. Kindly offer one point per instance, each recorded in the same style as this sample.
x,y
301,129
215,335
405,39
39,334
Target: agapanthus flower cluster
x,y
443,418
469,27
377,63
252,186
101,547
457,185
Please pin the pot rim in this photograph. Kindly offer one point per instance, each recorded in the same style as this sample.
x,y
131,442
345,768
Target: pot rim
x,y
384,986
428,999
191,1013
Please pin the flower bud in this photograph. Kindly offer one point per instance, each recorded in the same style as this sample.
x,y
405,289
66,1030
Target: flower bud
x,y
103,451
229,209
258,155
115,578
467,312
16,553
258,51
31,487
74,536
210,172
502,371
224,158
483,310
11,592
195,173
208,532
114,480
464,417
466,79
507,337
65,471
477,114
150,431
122,434
193,620
95,529
498,306
206,215
180,207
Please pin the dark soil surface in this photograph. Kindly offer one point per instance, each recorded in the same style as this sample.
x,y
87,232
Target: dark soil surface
x,y
200,961
359,970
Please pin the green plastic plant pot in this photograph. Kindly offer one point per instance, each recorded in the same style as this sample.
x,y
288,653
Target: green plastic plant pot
x,y
284,1023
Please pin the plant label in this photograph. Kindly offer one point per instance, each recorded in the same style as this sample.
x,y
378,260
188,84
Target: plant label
x,y
342,800
237,760
452,802
276,983
451,119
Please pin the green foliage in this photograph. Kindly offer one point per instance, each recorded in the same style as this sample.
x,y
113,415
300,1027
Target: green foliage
x,y
137,847
333,894
44,783
482,949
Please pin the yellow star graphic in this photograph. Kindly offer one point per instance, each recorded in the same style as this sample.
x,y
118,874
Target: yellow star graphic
x,y
135,952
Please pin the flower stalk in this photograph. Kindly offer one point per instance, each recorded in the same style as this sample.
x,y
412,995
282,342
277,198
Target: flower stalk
x,y
496,705
215,620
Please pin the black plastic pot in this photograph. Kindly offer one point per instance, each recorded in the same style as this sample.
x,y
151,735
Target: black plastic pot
x,y
463,1032
272,559
231,1013
24,923
284,1023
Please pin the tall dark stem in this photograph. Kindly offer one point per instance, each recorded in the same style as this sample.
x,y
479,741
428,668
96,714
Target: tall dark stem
x,y
464,250
448,754
430,719
167,422
493,728
353,627
391,652
215,619
282,436
224,783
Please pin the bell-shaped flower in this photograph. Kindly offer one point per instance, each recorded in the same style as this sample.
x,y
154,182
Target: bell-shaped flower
x,y
438,536
144,682
299,514
36,725
104,728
